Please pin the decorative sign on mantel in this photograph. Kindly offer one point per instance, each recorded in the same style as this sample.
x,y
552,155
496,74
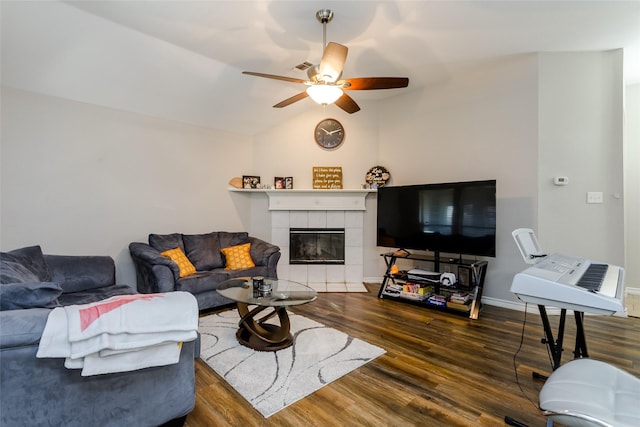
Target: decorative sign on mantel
x,y
327,177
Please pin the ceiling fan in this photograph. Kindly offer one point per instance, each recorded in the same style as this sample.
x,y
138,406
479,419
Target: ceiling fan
x,y
324,84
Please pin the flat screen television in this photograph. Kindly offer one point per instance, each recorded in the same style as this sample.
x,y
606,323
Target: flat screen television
x,y
455,217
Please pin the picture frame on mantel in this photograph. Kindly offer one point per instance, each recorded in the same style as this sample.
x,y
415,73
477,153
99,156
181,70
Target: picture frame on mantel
x,y
288,182
250,181
278,182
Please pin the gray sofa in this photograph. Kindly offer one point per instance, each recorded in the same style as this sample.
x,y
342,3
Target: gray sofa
x,y
157,273
42,391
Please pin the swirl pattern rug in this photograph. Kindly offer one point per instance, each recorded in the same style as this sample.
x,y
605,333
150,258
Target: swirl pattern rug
x,y
271,381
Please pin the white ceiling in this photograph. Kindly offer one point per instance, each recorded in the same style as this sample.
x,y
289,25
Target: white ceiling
x,y
182,60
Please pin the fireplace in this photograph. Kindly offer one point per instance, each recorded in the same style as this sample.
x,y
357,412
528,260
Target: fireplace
x,y
316,246
321,209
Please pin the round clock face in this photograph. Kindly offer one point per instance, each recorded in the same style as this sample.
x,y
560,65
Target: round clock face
x,y
329,133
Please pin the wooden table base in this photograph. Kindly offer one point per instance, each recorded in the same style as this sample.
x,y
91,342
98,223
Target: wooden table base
x,y
258,335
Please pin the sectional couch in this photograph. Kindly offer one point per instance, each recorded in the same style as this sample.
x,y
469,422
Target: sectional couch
x,y
36,391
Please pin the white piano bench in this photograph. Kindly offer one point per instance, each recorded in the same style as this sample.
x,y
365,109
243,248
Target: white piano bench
x,y
587,392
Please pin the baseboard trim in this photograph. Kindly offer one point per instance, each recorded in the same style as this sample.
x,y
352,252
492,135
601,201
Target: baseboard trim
x,y
519,306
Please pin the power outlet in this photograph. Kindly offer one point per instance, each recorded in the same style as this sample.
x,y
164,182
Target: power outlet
x,y
595,197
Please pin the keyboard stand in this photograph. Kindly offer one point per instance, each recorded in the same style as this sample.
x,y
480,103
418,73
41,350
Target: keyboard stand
x,y
555,346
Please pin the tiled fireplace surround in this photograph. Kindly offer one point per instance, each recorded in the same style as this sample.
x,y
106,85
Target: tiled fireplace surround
x,y
305,212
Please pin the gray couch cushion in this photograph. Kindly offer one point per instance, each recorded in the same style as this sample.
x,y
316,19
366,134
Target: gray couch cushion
x,y
22,328
249,272
93,295
18,296
24,265
232,238
203,250
14,272
261,250
202,281
81,273
164,242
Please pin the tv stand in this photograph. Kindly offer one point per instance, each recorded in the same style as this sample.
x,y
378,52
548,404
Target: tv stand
x,y
462,297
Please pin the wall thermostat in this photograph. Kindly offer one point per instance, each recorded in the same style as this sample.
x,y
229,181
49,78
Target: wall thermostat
x,y
561,180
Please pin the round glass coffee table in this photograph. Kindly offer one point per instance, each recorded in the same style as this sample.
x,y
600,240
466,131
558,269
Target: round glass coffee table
x,y
273,295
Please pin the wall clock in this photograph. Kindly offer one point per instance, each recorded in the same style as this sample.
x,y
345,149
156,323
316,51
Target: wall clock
x,y
329,133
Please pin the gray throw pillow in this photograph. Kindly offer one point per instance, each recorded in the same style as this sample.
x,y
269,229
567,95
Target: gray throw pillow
x,y
24,265
232,238
164,242
203,250
18,296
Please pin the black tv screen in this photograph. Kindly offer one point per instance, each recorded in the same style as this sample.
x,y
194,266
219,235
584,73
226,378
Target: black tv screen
x,y
456,217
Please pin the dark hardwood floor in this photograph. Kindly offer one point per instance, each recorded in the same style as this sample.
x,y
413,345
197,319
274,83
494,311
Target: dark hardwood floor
x,y
440,369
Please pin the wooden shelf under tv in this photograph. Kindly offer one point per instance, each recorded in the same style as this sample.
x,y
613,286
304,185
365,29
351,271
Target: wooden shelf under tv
x,y
470,276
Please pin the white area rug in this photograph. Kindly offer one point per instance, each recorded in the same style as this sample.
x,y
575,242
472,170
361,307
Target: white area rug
x,y
271,381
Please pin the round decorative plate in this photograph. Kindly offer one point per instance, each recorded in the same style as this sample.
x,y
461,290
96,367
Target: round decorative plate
x,y
377,176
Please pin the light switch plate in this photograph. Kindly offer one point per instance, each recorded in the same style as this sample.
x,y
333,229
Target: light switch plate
x,y
595,197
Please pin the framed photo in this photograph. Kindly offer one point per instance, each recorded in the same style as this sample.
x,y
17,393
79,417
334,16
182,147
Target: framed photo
x,y
249,181
464,276
288,182
278,183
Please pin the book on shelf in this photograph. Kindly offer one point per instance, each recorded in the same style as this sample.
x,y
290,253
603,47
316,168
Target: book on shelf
x,y
458,306
395,286
460,297
413,296
437,300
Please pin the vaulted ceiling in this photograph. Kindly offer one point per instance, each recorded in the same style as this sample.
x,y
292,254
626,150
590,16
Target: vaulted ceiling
x,y
183,60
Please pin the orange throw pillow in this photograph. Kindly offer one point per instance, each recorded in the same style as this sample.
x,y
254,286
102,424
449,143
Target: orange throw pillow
x,y
184,265
238,257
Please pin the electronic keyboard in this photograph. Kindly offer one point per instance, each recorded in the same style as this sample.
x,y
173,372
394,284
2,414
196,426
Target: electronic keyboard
x,y
572,283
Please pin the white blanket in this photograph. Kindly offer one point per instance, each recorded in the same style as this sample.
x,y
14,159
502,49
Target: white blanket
x,y
122,333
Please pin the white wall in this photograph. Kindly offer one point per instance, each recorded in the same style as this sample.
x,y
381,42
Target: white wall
x,y
581,136
632,186
84,180
481,125
289,149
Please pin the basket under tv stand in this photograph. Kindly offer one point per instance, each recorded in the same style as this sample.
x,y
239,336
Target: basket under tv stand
x,y
463,297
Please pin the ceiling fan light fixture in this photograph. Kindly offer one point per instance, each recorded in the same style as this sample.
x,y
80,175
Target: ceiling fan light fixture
x,y
324,94
324,84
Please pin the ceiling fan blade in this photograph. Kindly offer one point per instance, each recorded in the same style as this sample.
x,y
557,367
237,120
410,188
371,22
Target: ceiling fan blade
x,y
333,59
371,83
272,76
347,104
289,101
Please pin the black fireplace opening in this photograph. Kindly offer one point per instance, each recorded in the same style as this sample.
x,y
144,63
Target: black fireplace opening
x,y
316,246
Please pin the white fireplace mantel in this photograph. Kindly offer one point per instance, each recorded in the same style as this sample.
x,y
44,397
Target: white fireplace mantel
x,y
313,200
297,208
